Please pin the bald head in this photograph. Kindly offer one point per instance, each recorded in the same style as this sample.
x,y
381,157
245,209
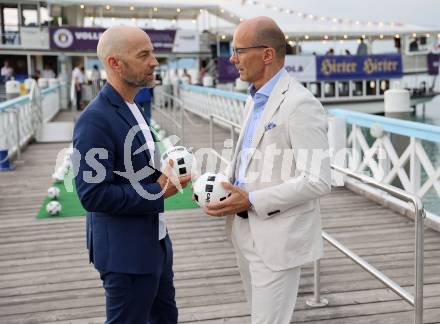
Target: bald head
x,y
119,40
264,31
128,57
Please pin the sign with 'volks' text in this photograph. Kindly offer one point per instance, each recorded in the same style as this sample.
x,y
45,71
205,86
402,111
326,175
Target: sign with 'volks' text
x,y
86,39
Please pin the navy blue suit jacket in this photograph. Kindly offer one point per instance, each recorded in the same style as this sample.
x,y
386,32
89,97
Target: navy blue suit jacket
x,y
122,226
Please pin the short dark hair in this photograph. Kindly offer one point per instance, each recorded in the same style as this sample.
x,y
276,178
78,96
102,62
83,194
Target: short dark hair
x,y
270,34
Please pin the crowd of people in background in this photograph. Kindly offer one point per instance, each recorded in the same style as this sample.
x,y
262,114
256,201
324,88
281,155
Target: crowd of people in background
x,y
362,49
8,72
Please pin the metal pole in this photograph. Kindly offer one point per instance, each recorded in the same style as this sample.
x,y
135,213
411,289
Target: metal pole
x,y
233,137
317,301
17,125
370,269
211,131
419,228
419,216
182,128
29,65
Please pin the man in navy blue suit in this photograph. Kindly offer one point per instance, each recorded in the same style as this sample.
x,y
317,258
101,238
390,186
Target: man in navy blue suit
x,y
120,187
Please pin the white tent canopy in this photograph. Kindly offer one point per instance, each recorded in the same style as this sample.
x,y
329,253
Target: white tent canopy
x,y
295,24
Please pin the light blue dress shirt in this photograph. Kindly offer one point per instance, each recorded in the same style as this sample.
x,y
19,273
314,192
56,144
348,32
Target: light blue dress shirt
x,y
260,99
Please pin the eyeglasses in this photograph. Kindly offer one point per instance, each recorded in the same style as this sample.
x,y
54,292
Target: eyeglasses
x,y
240,50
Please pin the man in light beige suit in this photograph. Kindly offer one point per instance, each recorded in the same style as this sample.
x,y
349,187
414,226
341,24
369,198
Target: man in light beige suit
x,y
280,169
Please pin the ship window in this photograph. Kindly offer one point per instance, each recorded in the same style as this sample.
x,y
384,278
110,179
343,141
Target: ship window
x,y
10,24
29,14
329,89
315,89
357,88
371,87
45,17
343,88
384,85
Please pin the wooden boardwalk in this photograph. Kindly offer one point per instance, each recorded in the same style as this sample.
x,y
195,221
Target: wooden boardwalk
x,y
45,276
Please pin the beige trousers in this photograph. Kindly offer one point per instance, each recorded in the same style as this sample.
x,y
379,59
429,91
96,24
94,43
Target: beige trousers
x,y
271,294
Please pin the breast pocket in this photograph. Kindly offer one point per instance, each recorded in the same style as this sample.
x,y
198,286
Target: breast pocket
x,y
275,132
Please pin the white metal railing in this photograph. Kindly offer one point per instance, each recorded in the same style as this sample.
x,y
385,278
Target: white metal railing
x,y
207,101
415,300
168,107
376,150
22,117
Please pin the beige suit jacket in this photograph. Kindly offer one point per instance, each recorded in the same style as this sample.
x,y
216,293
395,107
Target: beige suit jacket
x,y
287,172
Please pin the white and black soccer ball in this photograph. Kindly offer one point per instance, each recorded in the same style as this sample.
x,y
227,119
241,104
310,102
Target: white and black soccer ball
x,y
53,193
183,160
208,188
53,208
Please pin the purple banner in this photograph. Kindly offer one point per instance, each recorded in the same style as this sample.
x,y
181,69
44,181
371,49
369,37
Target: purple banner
x,y
86,39
226,70
359,67
433,64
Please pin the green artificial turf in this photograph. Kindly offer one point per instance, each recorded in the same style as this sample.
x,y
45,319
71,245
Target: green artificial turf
x,y
71,206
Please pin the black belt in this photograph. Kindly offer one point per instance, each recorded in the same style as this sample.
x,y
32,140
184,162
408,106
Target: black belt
x,y
243,214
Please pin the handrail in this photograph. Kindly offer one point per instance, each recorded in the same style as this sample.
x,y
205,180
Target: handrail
x,y
417,300
391,125
214,91
24,99
170,96
21,118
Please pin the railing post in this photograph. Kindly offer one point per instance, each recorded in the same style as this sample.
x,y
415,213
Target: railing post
x,y
356,155
419,282
233,137
317,300
182,124
211,131
337,138
384,161
17,131
414,167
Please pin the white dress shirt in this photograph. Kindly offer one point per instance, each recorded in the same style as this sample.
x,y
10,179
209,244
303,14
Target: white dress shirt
x,y
79,75
151,148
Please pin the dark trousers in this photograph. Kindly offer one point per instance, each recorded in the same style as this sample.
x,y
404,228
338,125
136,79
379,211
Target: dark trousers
x,y
78,99
145,298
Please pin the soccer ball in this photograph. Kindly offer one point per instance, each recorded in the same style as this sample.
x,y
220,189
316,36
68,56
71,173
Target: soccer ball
x,y
183,160
208,188
53,192
53,208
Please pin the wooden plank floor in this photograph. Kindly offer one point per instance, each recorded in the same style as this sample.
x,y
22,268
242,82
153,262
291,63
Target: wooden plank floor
x,y
45,276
